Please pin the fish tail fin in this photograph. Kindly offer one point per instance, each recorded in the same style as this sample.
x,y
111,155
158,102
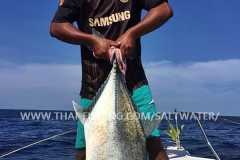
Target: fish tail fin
x,y
150,124
79,112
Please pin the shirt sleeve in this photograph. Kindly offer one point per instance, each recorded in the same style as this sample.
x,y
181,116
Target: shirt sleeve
x,y
68,11
148,4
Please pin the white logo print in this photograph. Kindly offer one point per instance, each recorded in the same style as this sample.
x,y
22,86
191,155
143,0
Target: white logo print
x,y
152,102
124,1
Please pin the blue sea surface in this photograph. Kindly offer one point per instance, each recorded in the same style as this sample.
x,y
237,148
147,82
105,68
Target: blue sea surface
x,y
15,133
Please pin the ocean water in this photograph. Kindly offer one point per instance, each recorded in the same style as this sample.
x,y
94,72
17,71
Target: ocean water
x,y
16,132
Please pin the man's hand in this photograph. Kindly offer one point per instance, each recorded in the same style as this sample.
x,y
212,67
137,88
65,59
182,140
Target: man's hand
x,y
101,47
127,41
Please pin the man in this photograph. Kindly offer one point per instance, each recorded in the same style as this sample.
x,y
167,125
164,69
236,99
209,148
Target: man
x,y
120,22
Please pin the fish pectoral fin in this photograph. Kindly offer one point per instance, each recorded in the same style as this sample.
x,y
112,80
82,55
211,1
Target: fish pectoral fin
x,y
80,112
150,124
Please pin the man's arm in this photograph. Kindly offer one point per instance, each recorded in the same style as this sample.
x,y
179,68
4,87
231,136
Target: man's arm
x,y
66,32
155,18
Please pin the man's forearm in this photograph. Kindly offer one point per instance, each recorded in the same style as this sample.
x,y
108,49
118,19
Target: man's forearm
x,y
155,18
68,33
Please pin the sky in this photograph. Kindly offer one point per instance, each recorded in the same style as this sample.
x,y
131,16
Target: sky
x,y
191,62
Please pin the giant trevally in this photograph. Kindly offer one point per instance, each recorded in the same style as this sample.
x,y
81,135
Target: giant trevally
x,y
112,126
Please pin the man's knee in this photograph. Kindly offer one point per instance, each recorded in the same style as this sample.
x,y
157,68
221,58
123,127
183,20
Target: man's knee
x,y
81,154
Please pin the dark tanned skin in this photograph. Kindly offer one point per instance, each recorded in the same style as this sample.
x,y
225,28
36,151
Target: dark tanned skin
x,y
155,18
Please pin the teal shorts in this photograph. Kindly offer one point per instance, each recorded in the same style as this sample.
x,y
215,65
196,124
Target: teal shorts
x,y
142,98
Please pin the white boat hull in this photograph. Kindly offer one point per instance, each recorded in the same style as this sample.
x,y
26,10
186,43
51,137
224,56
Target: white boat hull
x,y
181,154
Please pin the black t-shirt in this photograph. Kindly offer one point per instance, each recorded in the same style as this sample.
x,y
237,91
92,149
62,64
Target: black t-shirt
x,y
111,18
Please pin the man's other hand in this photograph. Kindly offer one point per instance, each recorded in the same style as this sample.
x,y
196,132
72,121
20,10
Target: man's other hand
x,y
127,41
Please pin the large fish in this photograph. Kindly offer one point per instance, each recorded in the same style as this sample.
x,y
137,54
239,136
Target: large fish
x,y
112,126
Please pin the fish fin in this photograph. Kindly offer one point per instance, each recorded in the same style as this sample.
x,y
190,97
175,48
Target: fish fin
x,y
81,114
150,124
96,97
96,33
100,90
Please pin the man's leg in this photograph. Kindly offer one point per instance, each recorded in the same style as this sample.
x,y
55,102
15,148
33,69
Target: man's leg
x,y
80,140
81,154
155,149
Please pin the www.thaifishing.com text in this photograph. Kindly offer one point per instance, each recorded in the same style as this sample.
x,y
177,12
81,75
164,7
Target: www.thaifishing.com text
x,y
61,116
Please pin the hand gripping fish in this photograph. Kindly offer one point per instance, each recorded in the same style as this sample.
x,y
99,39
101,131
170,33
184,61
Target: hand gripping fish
x,y
112,126
122,63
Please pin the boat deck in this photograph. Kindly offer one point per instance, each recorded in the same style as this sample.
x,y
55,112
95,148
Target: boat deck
x,y
181,154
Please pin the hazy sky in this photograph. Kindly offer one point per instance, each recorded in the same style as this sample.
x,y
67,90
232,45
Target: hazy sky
x,y
192,62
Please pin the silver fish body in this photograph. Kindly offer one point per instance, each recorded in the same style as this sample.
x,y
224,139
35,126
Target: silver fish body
x,y
113,129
